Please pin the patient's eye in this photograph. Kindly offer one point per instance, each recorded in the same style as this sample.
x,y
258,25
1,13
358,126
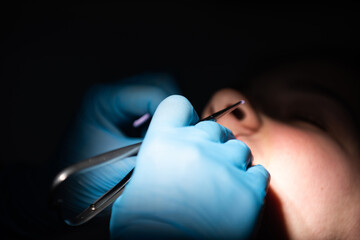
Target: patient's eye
x,y
314,120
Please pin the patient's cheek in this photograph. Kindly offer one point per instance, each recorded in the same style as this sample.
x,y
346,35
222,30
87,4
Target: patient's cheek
x,y
309,160
309,173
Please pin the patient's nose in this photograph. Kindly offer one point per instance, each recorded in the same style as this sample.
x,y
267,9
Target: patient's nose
x,y
243,121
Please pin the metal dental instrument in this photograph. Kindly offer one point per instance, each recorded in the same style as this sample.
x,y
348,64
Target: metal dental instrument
x,y
115,155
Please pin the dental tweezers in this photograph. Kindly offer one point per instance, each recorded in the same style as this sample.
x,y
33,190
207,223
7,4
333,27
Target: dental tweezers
x,y
115,155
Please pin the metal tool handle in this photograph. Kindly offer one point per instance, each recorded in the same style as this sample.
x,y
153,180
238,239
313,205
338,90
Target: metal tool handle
x,y
106,199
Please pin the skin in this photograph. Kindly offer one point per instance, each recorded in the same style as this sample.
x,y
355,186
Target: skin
x,y
308,142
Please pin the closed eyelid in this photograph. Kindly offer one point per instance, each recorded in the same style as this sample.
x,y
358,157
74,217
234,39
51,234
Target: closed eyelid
x,y
326,94
328,116
310,119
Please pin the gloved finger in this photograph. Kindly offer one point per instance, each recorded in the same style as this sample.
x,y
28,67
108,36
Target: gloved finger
x,y
120,102
145,94
162,81
214,131
175,111
138,100
239,153
259,178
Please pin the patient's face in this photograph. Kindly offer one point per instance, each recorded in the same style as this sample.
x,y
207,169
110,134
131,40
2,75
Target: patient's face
x,y
308,142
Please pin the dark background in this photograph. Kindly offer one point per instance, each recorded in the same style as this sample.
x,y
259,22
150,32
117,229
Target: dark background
x,y
50,54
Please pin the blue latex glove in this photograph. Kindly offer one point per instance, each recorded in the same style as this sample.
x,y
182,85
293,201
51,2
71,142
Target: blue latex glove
x,y
190,181
107,110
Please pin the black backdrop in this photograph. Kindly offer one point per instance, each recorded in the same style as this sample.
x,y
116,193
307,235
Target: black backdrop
x,y
50,54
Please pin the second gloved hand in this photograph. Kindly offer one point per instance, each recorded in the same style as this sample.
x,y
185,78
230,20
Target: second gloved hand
x,y
106,113
190,181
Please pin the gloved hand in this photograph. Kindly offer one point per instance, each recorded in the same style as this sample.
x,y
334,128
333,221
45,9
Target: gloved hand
x,y
107,111
190,181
